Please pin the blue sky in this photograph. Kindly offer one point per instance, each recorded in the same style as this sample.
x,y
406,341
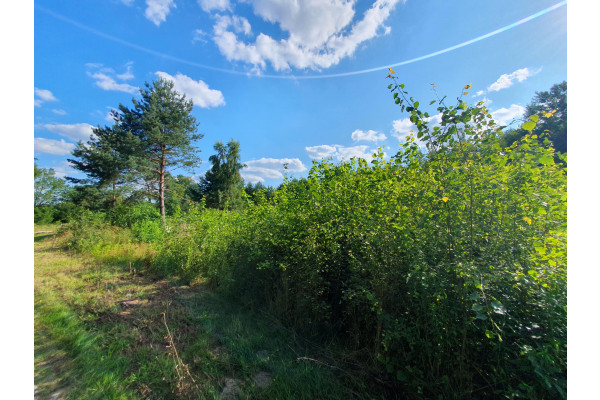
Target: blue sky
x,y
292,81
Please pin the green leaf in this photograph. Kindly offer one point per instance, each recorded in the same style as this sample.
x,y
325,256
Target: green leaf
x,y
529,125
401,376
534,118
546,160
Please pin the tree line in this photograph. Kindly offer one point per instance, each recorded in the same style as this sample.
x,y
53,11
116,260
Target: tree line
x,y
137,158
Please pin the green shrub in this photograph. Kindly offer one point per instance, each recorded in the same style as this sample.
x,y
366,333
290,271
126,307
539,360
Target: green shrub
x,y
126,216
90,233
444,265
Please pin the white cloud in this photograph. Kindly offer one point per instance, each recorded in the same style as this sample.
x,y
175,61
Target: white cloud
x,y
74,131
127,75
479,93
59,112
309,23
368,136
212,5
403,127
292,164
51,146
319,32
252,178
198,91
109,115
270,168
106,78
322,151
340,152
505,116
199,36
346,153
127,2
157,10
41,96
64,168
107,83
507,80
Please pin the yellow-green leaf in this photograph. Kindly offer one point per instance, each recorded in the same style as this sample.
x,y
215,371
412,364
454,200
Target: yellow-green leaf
x,y
528,126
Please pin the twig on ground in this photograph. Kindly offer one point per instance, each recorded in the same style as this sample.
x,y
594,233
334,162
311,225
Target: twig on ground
x,y
180,366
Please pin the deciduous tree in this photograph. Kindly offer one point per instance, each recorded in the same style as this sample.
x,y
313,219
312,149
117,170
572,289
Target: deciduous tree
x,y
223,183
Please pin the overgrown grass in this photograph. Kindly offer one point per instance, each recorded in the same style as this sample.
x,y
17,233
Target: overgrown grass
x,y
100,334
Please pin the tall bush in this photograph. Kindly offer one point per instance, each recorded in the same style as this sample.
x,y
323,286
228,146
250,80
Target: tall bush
x,y
445,264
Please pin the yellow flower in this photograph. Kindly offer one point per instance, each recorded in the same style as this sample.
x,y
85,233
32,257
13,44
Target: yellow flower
x,y
445,199
527,219
391,70
467,87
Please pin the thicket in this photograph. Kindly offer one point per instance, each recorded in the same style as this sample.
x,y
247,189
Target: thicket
x,y
443,265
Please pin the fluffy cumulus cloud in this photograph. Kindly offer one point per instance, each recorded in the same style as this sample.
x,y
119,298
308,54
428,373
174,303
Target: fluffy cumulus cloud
x,y
75,132
403,127
507,80
197,91
368,136
318,33
157,10
270,168
51,146
108,79
41,96
505,116
339,152
321,151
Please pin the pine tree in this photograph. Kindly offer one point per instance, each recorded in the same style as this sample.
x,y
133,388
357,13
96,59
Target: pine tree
x,y
106,159
162,122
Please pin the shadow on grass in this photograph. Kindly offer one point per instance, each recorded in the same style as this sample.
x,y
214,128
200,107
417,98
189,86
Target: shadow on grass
x,y
42,237
53,368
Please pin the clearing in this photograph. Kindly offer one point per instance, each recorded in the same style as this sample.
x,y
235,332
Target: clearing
x,y
104,330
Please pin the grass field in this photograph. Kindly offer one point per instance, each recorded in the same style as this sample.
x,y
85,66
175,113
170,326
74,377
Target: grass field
x,y
105,331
